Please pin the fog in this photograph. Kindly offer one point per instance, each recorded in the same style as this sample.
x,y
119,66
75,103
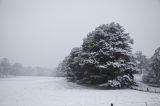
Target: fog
x,y
42,32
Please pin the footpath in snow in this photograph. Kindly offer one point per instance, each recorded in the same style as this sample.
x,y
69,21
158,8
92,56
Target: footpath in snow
x,y
144,87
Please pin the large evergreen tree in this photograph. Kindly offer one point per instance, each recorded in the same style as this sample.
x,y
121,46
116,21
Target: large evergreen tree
x,y
105,58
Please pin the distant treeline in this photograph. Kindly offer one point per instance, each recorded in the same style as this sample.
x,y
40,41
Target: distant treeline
x,y
17,69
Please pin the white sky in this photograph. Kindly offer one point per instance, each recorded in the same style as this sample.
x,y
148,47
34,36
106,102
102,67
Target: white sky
x,y
42,32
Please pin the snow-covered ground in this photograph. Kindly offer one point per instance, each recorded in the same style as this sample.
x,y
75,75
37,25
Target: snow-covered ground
x,y
52,91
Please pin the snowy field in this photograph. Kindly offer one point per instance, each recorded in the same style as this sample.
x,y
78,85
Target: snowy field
x,y
52,91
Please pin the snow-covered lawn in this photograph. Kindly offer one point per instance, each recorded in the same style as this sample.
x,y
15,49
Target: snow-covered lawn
x,y
52,91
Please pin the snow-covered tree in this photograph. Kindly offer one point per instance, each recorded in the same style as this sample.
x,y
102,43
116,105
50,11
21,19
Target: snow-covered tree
x,y
5,67
74,69
155,65
70,65
104,58
107,56
17,69
62,68
142,62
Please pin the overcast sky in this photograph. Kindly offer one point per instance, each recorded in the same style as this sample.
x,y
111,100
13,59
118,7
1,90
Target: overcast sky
x,y
42,32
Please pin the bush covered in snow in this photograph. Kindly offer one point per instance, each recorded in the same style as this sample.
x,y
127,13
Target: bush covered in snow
x,y
104,58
